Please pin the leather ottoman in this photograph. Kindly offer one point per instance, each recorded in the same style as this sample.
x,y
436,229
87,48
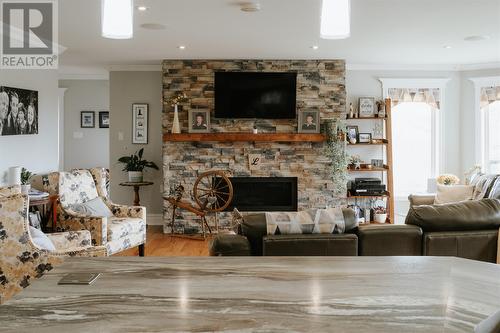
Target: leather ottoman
x,y
229,245
389,240
310,245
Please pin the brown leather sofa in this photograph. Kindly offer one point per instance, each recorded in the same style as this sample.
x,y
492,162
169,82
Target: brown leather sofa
x,y
467,230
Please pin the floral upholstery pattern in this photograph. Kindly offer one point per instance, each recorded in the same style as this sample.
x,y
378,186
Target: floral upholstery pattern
x,y
70,240
9,190
125,230
20,259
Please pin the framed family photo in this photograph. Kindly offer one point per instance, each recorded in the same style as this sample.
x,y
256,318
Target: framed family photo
x,y
18,111
140,119
103,119
352,132
87,119
199,121
308,122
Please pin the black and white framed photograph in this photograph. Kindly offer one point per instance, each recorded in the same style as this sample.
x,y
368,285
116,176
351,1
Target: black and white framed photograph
x,y
87,119
18,111
103,119
352,133
140,119
365,137
377,163
366,106
199,121
308,122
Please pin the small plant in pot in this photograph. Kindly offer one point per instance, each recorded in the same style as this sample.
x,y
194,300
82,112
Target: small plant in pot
x,y
25,180
135,165
380,214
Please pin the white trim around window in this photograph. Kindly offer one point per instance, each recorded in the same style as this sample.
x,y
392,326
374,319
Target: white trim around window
x,y
438,153
480,144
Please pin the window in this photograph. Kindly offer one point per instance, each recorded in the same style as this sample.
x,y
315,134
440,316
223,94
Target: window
x,y
414,137
490,115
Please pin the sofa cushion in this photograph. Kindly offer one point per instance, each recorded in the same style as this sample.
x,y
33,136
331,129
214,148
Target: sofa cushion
x,y
119,227
389,240
476,245
93,208
453,193
462,216
311,245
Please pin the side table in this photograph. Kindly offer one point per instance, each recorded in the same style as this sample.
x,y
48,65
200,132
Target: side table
x,y
136,187
48,209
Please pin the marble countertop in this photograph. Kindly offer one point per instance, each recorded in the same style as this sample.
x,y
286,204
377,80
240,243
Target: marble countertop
x,y
260,294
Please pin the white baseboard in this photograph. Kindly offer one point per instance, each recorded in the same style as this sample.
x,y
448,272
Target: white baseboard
x,y
154,219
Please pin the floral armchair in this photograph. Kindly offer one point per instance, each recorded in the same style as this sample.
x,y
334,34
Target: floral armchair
x,y
124,230
20,259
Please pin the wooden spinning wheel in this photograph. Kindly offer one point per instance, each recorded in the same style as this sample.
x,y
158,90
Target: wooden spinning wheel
x,y
213,191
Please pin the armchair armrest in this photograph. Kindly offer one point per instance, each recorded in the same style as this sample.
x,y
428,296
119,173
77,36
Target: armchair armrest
x,y
92,251
421,199
98,226
65,241
128,211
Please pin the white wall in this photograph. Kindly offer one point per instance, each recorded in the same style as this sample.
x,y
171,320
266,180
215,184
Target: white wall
x,y
366,83
38,153
85,147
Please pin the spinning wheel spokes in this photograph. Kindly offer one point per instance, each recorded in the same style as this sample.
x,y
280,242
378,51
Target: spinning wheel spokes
x,y
208,192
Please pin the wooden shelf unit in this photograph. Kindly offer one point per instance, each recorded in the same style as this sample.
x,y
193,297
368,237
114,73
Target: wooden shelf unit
x,y
365,169
388,167
244,137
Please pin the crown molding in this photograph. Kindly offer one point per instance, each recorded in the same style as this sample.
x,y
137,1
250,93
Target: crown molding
x,y
135,68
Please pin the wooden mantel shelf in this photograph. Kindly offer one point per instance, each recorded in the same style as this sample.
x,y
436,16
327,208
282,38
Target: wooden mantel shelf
x,y
243,137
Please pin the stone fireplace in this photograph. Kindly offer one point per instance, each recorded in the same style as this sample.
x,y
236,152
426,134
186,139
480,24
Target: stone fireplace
x,y
320,86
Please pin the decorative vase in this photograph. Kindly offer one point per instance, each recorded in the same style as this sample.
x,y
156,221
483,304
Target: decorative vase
x,y
135,176
380,218
176,127
357,165
25,188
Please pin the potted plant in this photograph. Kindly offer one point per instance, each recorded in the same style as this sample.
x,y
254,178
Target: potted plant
x,y
380,214
135,165
25,180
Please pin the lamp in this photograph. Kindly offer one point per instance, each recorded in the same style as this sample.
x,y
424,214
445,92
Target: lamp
x,y
335,19
117,19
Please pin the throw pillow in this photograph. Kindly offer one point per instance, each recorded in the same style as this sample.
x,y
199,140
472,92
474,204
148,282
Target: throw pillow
x,y
93,208
453,193
41,240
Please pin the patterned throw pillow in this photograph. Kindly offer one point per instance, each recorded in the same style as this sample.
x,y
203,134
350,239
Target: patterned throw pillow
x,y
93,208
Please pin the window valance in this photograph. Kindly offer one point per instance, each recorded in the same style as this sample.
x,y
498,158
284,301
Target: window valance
x,y
429,96
489,95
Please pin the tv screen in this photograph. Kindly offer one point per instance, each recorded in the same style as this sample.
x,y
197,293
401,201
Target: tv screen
x,y
255,95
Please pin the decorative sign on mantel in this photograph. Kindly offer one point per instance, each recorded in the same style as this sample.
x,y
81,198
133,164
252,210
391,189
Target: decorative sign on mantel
x,y
254,161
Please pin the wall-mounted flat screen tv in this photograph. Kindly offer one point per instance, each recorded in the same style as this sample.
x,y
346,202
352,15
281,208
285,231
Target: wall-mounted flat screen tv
x,y
255,95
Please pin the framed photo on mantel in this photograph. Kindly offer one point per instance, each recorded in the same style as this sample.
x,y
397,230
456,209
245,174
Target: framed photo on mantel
x,y
140,119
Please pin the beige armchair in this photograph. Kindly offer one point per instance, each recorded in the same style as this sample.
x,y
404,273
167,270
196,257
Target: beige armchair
x,y
20,259
124,230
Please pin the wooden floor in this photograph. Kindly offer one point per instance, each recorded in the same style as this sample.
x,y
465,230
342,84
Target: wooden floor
x,y
164,245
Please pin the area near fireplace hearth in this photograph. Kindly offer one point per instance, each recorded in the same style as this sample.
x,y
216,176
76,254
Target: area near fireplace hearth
x,y
320,86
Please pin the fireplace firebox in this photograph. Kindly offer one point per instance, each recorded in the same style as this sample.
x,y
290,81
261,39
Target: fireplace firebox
x,y
264,194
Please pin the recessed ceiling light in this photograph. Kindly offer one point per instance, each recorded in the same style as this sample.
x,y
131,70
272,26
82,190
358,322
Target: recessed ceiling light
x,y
476,38
250,7
181,47
142,8
153,26
335,19
315,47
447,47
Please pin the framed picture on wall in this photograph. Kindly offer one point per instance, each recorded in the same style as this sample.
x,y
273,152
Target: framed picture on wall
x,y
199,121
18,111
87,119
103,119
308,122
140,119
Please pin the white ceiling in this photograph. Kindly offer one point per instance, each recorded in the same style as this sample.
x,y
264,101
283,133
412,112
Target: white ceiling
x,y
383,32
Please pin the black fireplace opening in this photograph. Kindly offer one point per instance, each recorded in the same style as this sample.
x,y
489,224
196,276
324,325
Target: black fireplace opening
x,y
254,194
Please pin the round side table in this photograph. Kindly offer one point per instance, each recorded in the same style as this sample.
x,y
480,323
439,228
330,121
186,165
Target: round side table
x,y
136,187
